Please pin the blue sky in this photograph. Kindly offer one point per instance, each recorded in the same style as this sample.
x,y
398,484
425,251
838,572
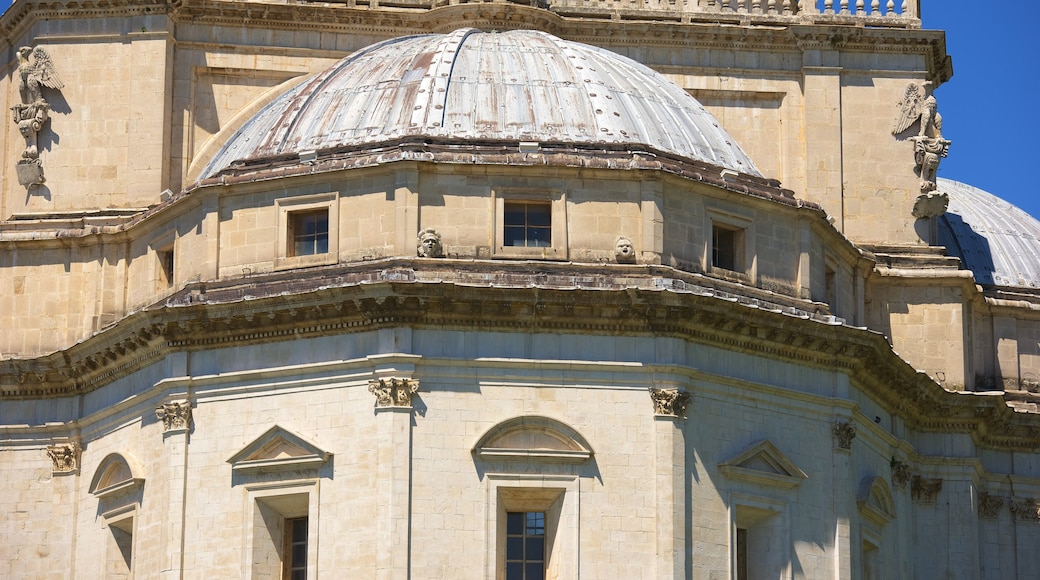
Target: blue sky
x,y
988,108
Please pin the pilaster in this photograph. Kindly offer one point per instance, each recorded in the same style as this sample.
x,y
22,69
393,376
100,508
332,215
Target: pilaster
x,y
394,392
175,419
670,477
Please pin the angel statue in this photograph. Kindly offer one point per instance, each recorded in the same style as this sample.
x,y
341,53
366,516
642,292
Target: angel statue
x,y
929,145
35,71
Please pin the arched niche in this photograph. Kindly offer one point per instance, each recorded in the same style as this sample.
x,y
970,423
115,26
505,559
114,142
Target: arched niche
x,y
115,475
533,438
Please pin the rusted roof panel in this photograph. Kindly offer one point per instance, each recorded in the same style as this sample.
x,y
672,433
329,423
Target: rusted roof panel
x,y
997,241
522,85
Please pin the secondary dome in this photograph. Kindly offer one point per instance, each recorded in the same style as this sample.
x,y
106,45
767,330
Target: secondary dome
x,y
994,239
519,85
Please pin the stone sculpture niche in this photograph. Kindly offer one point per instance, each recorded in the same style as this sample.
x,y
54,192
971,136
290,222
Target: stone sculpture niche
x,y
35,71
929,147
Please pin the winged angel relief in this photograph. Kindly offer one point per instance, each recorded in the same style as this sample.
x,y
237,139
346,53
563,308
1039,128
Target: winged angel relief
x,y
35,71
929,145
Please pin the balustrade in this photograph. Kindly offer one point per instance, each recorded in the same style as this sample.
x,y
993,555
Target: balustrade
x,y
907,8
905,13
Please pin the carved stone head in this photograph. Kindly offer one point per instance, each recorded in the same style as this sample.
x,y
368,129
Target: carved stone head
x,y
624,253
430,244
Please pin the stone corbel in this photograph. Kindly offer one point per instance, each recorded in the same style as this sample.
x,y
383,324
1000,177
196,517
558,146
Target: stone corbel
x,y
844,432
175,415
925,490
669,402
393,392
65,457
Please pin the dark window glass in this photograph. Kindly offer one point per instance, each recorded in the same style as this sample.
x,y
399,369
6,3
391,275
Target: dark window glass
x,y
310,233
724,242
525,545
296,548
527,225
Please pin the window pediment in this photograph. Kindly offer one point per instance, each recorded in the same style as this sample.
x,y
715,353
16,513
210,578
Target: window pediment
x,y
114,476
278,450
533,438
764,464
875,500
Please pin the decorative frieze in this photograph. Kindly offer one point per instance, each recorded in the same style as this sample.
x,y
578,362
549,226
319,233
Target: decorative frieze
x,y
175,415
65,457
844,433
1026,510
900,474
669,402
925,490
989,505
393,392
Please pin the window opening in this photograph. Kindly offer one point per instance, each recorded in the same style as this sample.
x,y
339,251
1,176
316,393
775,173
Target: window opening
x,y
528,225
830,287
165,257
309,233
296,549
119,561
525,545
726,247
742,554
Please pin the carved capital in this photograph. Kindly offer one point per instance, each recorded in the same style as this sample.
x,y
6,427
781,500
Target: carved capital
x,y
1026,510
844,433
393,392
175,415
900,474
925,490
669,402
65,457
989,505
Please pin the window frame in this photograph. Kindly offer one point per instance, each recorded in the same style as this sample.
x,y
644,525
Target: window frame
x,y
291,207
557,497
744,244
557,202
288,501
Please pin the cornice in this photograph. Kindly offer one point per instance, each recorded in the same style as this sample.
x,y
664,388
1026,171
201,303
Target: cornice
x,y
627,27
521,297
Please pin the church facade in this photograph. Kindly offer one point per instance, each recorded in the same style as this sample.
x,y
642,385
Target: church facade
x,y
426,289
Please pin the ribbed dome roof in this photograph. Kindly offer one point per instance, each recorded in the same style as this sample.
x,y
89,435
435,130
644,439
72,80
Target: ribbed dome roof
x,y
518,85
997,241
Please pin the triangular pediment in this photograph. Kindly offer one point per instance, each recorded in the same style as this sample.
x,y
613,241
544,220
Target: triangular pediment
x,y
278,449
764,464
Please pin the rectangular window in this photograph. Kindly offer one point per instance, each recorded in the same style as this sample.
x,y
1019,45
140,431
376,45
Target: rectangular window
x,y
727,247
165,257
527,224
525,545
119,556
308,233
295,549
830,287
742,554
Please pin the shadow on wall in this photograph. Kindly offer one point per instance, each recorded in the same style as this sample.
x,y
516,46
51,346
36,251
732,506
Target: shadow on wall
x,y
964,242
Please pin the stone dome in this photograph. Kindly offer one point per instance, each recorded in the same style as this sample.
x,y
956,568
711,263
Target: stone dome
x,y
994,239
520,85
